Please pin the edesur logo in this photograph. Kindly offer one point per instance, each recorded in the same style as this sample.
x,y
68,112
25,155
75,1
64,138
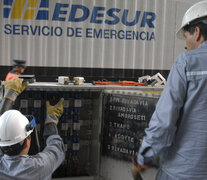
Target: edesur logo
x,y
14,9
25,9
66,12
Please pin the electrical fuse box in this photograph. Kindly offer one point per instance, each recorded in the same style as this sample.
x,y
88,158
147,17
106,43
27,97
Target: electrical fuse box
x,y
101,129
75,127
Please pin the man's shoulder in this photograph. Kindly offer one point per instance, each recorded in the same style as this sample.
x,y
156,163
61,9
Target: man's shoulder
x,y
191,54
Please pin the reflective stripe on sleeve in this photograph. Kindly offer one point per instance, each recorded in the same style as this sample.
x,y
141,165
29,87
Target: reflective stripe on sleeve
x,y
196,73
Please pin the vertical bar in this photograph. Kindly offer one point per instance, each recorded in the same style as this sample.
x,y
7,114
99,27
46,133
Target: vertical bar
x,y
29,13
18,9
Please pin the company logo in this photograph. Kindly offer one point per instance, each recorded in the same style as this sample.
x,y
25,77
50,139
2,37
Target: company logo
x,y
26,9
15,9
66,12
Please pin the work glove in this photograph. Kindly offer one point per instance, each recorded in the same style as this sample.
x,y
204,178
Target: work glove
x,y
16,85
136,168
56,110
12,89
53,115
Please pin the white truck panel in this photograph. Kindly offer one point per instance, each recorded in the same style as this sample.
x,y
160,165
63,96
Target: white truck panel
x,y
48,42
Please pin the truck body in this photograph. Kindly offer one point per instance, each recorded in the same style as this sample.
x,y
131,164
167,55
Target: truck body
x,y
113,40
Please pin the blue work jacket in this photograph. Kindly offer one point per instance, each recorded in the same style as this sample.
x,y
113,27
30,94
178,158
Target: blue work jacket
x,y
35,167
177,131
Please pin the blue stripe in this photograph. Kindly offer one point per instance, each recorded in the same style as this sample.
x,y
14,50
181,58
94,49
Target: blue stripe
x,y
44,4
7,12
8,2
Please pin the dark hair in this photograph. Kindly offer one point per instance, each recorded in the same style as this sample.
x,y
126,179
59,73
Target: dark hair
x,y
13,149
197,23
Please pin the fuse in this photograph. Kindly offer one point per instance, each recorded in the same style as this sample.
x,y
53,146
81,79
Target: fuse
x,y
76,126
64,126
23,103
37,103
77,103
76,146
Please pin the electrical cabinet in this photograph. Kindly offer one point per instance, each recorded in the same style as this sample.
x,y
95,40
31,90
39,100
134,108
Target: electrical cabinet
x,y
101,125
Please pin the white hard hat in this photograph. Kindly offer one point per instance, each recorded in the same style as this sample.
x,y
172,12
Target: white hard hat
x,y
196,11
13,128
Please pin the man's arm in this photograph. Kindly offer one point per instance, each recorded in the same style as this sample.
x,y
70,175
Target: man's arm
x,y
12,89
53,154
51,157
52,119
163,124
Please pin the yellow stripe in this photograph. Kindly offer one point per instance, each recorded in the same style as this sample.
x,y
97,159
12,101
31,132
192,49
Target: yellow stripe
x,y
32,3
18,9
29,14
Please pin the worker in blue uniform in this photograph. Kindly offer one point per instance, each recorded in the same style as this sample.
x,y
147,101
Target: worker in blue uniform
x,y
177,131
17,70
15,139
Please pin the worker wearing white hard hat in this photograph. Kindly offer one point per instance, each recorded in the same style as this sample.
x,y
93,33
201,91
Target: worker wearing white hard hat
x,y
15,139
176,136
196,13
15,129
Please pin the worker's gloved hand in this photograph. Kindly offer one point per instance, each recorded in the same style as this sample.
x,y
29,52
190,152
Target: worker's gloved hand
x,y
53,113
136,168
16,85
56,110
12,89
